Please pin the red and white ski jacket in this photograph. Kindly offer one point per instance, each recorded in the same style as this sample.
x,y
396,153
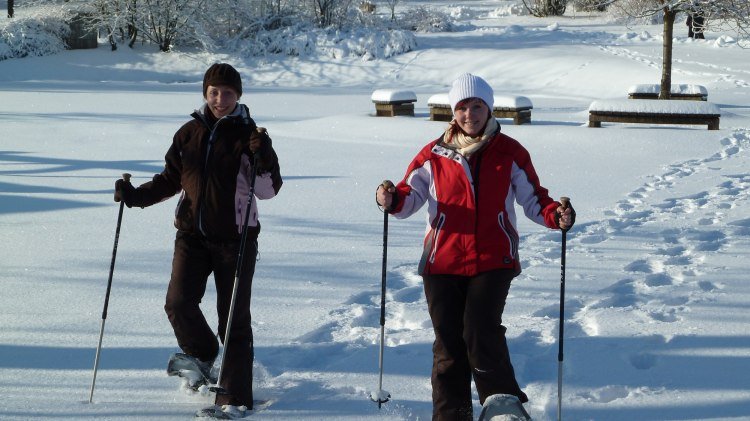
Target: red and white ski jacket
x,y
471,220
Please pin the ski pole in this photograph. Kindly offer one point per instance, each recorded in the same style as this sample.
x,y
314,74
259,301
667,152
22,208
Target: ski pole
x,y
565,202
125,177
382,396
237,276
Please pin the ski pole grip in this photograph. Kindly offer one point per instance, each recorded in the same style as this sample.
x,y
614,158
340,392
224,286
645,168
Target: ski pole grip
x,y
565,202
126,177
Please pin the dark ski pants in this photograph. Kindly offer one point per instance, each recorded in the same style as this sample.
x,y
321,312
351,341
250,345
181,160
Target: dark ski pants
x,y
195,258
466,315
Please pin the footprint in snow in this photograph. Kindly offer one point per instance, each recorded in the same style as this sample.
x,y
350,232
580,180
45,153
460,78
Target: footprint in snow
x,y
621,294
408,294
740,227
642,360
640,265
606,394
705,240
671,251
707,286
659,280
665,315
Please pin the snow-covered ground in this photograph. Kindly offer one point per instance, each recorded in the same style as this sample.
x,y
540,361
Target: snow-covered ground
x,y
656,300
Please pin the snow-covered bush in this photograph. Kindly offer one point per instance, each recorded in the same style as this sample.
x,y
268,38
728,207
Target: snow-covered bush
x,y
306,40
423,19
38,34
246,27
462,12
375,44
618,13
365,35
512,9
544,8
590,5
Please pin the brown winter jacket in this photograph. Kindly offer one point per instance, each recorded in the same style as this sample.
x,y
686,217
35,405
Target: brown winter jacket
x,y
211,163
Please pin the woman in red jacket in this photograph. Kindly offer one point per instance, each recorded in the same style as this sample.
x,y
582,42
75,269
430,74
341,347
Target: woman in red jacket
x,y
470,178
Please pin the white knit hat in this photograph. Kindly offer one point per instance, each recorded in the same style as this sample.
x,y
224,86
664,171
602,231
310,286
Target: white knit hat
x,y
470,86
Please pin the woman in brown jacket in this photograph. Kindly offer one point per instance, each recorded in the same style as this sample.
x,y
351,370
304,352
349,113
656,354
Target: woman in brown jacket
x,y
211,162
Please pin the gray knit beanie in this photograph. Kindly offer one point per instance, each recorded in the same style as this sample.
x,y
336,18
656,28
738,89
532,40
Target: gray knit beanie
x,y
470,86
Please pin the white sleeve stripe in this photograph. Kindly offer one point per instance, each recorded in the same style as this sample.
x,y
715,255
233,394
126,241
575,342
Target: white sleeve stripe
x,y
526,195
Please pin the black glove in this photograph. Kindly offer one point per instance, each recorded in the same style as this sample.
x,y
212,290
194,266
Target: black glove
x,y
260,145
388,186
124,192
565,205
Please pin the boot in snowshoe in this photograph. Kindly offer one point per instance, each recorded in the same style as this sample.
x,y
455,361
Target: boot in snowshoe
x,y
502,407
197,372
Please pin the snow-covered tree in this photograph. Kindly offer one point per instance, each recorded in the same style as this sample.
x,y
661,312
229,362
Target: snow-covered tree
x,y
718,14
159,21
331,12
253,27
591,5
392,7
117,18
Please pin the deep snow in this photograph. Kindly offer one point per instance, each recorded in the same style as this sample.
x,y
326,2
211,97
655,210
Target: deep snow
x,y
657,291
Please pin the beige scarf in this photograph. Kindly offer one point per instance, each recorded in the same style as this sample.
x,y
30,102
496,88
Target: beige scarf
x,y
466,145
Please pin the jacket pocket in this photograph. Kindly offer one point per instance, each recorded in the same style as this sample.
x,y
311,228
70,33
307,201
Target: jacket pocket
x,y
431,246
510,233
436,237
183,218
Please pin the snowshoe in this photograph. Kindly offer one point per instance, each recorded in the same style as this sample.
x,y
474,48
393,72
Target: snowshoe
x,y
502,407
231,412
196,372
222,412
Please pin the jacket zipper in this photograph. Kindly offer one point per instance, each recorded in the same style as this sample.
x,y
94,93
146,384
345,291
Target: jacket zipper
x,y
475,182
204,180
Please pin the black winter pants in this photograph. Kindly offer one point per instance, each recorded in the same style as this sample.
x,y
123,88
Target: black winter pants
x,y
195,258
466,315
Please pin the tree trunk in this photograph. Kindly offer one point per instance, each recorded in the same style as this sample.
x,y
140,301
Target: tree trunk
x,y
132,34
666,67
10,8
557,7
112,41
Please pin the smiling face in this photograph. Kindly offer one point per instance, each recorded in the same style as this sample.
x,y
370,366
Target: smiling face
x,y
471,115
221,100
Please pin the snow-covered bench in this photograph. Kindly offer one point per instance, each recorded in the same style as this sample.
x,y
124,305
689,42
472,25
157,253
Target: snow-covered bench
x,y
392,102
516,107
681,91
654,112
440,107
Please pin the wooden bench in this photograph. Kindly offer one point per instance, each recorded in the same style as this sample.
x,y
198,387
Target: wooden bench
x,y
682,91
440,107
390,102
516,107
654,112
